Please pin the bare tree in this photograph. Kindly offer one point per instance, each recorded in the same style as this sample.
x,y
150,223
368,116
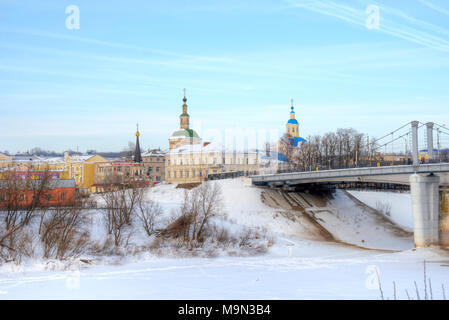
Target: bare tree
x,y
199,207
22,196
121,202
148,213
344,148
63,233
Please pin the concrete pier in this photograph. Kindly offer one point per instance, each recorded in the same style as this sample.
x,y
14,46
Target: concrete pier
x,y
414,150
426,209
444,217
429,126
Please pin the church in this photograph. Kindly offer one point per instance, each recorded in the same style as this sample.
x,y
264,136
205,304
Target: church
x,y
184,135
189,160
292,127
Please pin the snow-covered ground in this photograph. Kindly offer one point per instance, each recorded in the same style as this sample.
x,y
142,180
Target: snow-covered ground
x,y
294,267
398,204
359,225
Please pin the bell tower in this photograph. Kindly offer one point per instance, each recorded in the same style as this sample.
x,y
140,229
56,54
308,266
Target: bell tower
x,y
292,124
137,155
184,117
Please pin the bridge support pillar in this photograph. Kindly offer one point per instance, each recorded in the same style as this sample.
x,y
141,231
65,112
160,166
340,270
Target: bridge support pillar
x,y
444,217
415,154
426,208
430,140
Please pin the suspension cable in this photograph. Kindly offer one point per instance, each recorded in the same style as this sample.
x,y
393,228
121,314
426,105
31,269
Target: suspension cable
x,y
442,126
394,131
399,137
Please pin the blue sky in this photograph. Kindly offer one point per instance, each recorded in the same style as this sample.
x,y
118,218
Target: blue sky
x,y
241,62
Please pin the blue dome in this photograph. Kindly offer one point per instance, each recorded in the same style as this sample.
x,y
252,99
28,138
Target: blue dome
x,y
298,140
292,121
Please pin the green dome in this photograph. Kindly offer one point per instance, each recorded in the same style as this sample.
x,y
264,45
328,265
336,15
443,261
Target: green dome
x,y
186,133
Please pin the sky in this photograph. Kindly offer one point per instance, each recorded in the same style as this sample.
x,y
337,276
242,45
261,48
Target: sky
x,y
240,61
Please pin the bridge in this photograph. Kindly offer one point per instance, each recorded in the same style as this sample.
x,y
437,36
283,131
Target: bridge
x,y
428,183
384,175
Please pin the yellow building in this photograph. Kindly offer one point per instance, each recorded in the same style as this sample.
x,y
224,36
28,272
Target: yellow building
x,y
199,162
5,161
83,169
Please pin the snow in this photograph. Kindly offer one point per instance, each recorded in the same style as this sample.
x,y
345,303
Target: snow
x,y
355,224
295,267
399,202
312,271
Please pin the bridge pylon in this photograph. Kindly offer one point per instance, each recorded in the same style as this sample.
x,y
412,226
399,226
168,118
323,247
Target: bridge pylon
x,y
426,209
444,217
415,154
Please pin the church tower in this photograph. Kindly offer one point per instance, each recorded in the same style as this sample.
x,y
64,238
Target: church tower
x,y
184,135
292,124
184,117
137,154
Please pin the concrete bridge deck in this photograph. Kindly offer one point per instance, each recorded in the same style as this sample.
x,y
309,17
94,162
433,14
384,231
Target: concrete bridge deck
x,y
391,174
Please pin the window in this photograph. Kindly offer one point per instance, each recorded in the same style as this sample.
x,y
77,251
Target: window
x,y
63,196
158,179
187,173
158,169
22,197
2,197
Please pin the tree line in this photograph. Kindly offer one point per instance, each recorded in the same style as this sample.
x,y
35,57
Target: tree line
x,y
341,149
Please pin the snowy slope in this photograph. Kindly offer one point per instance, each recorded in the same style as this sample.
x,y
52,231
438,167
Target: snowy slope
x,y
400,204
355,224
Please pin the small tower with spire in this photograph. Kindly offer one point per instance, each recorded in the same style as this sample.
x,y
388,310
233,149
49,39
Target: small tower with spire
x,y
184,117
137,154
292,123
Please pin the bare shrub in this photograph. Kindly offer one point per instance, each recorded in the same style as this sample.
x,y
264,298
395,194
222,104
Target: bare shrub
x,y
149,213
199,207
222,235
179,228
121,202
384,208
245,238
63,233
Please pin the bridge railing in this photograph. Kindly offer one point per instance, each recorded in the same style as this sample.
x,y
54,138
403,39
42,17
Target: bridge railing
x,y
370,164
353,172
